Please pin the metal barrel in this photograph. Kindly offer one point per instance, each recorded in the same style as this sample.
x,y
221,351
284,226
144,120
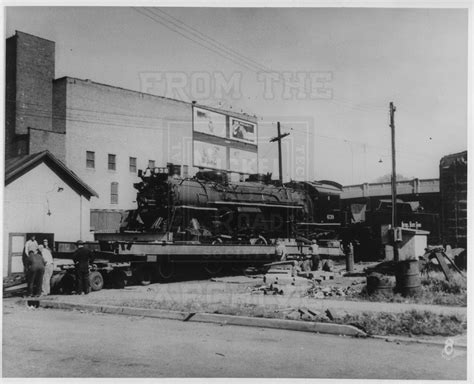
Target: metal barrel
x,y
408,278
379,284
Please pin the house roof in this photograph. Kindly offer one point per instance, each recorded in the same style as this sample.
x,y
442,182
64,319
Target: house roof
x,y
18,166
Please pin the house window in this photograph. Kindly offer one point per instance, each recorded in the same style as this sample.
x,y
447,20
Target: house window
x,y
133,164
114,193
151,164
112,162
90,159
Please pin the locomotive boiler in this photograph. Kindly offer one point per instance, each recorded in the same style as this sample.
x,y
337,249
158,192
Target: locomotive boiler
x,y
209,208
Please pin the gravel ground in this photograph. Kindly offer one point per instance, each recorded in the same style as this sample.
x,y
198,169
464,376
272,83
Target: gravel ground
x,y
236,291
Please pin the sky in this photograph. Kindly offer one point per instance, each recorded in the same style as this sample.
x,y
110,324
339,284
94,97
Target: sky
x,y
345,64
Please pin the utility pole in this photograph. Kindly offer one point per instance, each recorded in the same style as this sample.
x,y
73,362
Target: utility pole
x,y
279,138
394,181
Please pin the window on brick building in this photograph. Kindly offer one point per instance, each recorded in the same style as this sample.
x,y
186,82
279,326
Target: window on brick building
x,y
151,164
112,162
133,164
90,159
114,193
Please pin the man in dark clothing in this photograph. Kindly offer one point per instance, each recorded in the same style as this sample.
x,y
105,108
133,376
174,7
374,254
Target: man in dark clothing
x,y
35,273
82,257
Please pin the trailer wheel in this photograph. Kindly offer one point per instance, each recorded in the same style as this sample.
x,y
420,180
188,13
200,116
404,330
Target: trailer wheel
x,y
67,284
56,282
96,281
142,275
119,279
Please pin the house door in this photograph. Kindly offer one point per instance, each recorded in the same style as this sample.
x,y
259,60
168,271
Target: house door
x,y
16,244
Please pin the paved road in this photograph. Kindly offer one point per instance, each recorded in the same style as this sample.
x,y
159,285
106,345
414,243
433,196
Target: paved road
x,y
53,343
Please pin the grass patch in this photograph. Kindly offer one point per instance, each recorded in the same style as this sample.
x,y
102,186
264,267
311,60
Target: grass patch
x,y
409,323
426,296
435,289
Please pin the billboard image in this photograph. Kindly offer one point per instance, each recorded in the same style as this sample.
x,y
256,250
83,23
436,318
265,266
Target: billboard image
x,y
223,142
209,155
210,123
243,161
243,131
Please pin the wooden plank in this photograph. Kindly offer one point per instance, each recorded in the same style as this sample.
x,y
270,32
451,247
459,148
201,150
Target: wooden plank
x,y
440,257
453,264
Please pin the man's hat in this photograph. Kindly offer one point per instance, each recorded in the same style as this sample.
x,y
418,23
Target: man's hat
x,y
80,242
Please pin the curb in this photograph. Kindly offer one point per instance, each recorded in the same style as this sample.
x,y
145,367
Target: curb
x,y
292,325
402,339
111,309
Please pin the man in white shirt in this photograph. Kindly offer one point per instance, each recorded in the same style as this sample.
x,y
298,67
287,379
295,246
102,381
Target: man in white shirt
x,y
281,251
48,268
31,245
314,254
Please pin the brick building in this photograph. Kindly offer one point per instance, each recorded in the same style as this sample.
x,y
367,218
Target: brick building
x,y
103,133
29,93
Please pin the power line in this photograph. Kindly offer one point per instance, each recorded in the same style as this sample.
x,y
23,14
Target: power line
x,y
359,143
204,40
191,39
85,110
212,41
89,121
90,110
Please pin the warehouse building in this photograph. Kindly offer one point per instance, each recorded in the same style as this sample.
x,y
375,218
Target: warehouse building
x,y
105,134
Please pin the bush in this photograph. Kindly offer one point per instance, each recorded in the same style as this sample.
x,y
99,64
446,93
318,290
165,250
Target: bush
x,y
438,284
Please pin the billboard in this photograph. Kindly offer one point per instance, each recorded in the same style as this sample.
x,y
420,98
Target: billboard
x,y
243,131
243,161
209,155
224,142
210,123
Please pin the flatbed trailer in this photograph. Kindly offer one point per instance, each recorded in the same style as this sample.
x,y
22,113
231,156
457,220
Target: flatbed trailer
x,y
119,262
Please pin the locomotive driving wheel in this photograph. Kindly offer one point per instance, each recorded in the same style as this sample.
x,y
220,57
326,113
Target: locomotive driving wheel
x,y
213,269
165,271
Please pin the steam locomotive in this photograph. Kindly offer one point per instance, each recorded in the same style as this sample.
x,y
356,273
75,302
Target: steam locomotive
x,y
210,209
